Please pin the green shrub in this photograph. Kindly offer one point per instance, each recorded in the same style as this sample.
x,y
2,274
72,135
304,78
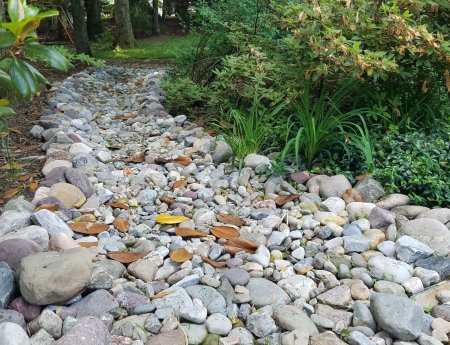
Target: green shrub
x,y
182,94
416,163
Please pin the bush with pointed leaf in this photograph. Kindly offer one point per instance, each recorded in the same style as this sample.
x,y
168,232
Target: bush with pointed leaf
x,y
19,38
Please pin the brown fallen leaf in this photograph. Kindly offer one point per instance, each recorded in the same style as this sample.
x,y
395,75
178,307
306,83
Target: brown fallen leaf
x,y
225,232
213,263
284,199
23,178
138,157
121,224
180,255
13,166
126,257
88,244
179,184
167,199
88,228
241,243
119,205
230,219
9,193
188,232
162,294
33,186
15,130
50,207
182,160
126,117
351,195
234,250
127,171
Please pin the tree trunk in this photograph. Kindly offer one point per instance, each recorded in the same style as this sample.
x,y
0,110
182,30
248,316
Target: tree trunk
x,y
79,25
124,31
94,18
182,7
2,11
155,29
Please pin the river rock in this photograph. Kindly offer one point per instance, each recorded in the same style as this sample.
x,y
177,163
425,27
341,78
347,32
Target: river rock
x,y
429,231
13,334
87,331
51,222
70,195
14,250
7,286
397,315
13,220
80,180
263,292
384,268
54,277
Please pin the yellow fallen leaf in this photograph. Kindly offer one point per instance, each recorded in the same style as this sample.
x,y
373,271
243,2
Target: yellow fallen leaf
x,y
168,219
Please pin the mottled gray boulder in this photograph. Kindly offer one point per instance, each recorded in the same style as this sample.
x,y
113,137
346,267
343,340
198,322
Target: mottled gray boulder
x,y
334,186
397,315
380,218
384,268
263,292
289,317
54,277
80,180
51,222
19,204
32,233
429,231
410,250
87,331
13,334
7,285
222,152
180,298
211,299
369,189
13,220
95,304
440,214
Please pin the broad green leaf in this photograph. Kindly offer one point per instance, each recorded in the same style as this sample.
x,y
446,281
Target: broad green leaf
x,y
15,10
6,111
4,102
49,54
24,80
7,39
5,80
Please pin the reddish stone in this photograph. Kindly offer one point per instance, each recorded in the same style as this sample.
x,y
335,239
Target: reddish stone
x,y
29,311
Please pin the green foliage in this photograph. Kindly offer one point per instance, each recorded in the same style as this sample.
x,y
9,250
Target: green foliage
x,y
183,94
152,48
16,74
72,56
320,124
141,14
250,131
416,163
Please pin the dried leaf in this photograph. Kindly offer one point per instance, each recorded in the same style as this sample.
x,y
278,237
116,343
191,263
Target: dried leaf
x,y
182,160
351,195
229,219
167,199
162,294
127,171
126,257
179,184
88,244
234,250
121,224
284,199
168,219
180,255
16,130
138,157
119,205
33,186
9,193
213,263
88,228
188,232
242,243
50,207
126,117
13,166
225,232
25,177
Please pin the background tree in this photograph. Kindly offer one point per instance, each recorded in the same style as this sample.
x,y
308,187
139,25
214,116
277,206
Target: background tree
x,y
94,18
2,10
79,25
124,30
155,30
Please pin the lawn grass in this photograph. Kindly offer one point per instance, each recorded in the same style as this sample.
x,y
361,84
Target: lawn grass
x,y
164,47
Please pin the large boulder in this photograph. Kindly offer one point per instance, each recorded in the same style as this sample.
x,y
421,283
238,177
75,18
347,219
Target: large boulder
x,y
13,220
54,277
397,315
429,231
87,331
34,234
